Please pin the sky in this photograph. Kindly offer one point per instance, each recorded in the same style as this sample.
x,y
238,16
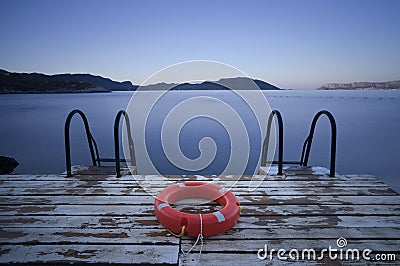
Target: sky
x,y
292,44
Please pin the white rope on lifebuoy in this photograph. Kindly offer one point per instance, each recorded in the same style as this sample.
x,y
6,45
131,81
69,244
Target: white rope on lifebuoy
x,y
199,237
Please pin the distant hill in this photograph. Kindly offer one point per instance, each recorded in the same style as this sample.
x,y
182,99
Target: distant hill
x,y
75,83
99,81
244,83
41,83
388,85
239,83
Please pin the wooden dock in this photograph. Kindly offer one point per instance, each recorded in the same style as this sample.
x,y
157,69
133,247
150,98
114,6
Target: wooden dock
x,y
94,217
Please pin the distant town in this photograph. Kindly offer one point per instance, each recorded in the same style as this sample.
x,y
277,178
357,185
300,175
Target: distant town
x,y
388,85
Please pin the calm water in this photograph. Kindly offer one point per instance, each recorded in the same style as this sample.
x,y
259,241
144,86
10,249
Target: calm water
x,y
368,128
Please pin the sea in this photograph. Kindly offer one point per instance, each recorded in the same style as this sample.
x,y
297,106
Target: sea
x,y
368,130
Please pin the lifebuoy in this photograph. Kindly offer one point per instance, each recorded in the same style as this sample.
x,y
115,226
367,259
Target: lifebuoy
x,y
190,224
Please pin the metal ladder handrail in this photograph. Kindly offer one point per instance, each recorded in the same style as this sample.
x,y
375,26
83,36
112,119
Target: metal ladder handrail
x,y
307,143
94,152
277,114
98,159
303,150
89,136
116,141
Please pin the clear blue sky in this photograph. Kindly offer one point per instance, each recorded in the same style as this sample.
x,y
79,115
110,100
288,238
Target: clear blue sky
x,y
292,44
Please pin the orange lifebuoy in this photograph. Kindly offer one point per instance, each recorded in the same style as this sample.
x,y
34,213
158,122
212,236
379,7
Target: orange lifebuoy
x,y
190,224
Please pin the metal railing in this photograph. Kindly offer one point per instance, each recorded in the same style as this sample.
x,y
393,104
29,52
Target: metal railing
x,y
277,114
94,152
305,154
116,141
89,136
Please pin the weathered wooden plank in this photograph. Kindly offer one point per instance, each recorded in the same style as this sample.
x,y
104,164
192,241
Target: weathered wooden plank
x,y
73,191
93,221
318,199
245,222
229,259
77,200
243,199
128,254
318,221
264,183
250,258
95,170
28,235
73,210
334,191
307,210
285,183
86,236
33,177
257,210
239,184
105,177
243,234
233,245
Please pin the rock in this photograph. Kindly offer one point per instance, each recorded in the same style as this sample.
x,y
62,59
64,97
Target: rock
x,y
7,165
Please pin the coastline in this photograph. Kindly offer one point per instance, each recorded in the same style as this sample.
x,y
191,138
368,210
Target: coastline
x,y
53,92
188,90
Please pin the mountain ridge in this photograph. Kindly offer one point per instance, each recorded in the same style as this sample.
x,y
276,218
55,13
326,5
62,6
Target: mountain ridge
x,y
11,83
77,83
106,83
237,83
